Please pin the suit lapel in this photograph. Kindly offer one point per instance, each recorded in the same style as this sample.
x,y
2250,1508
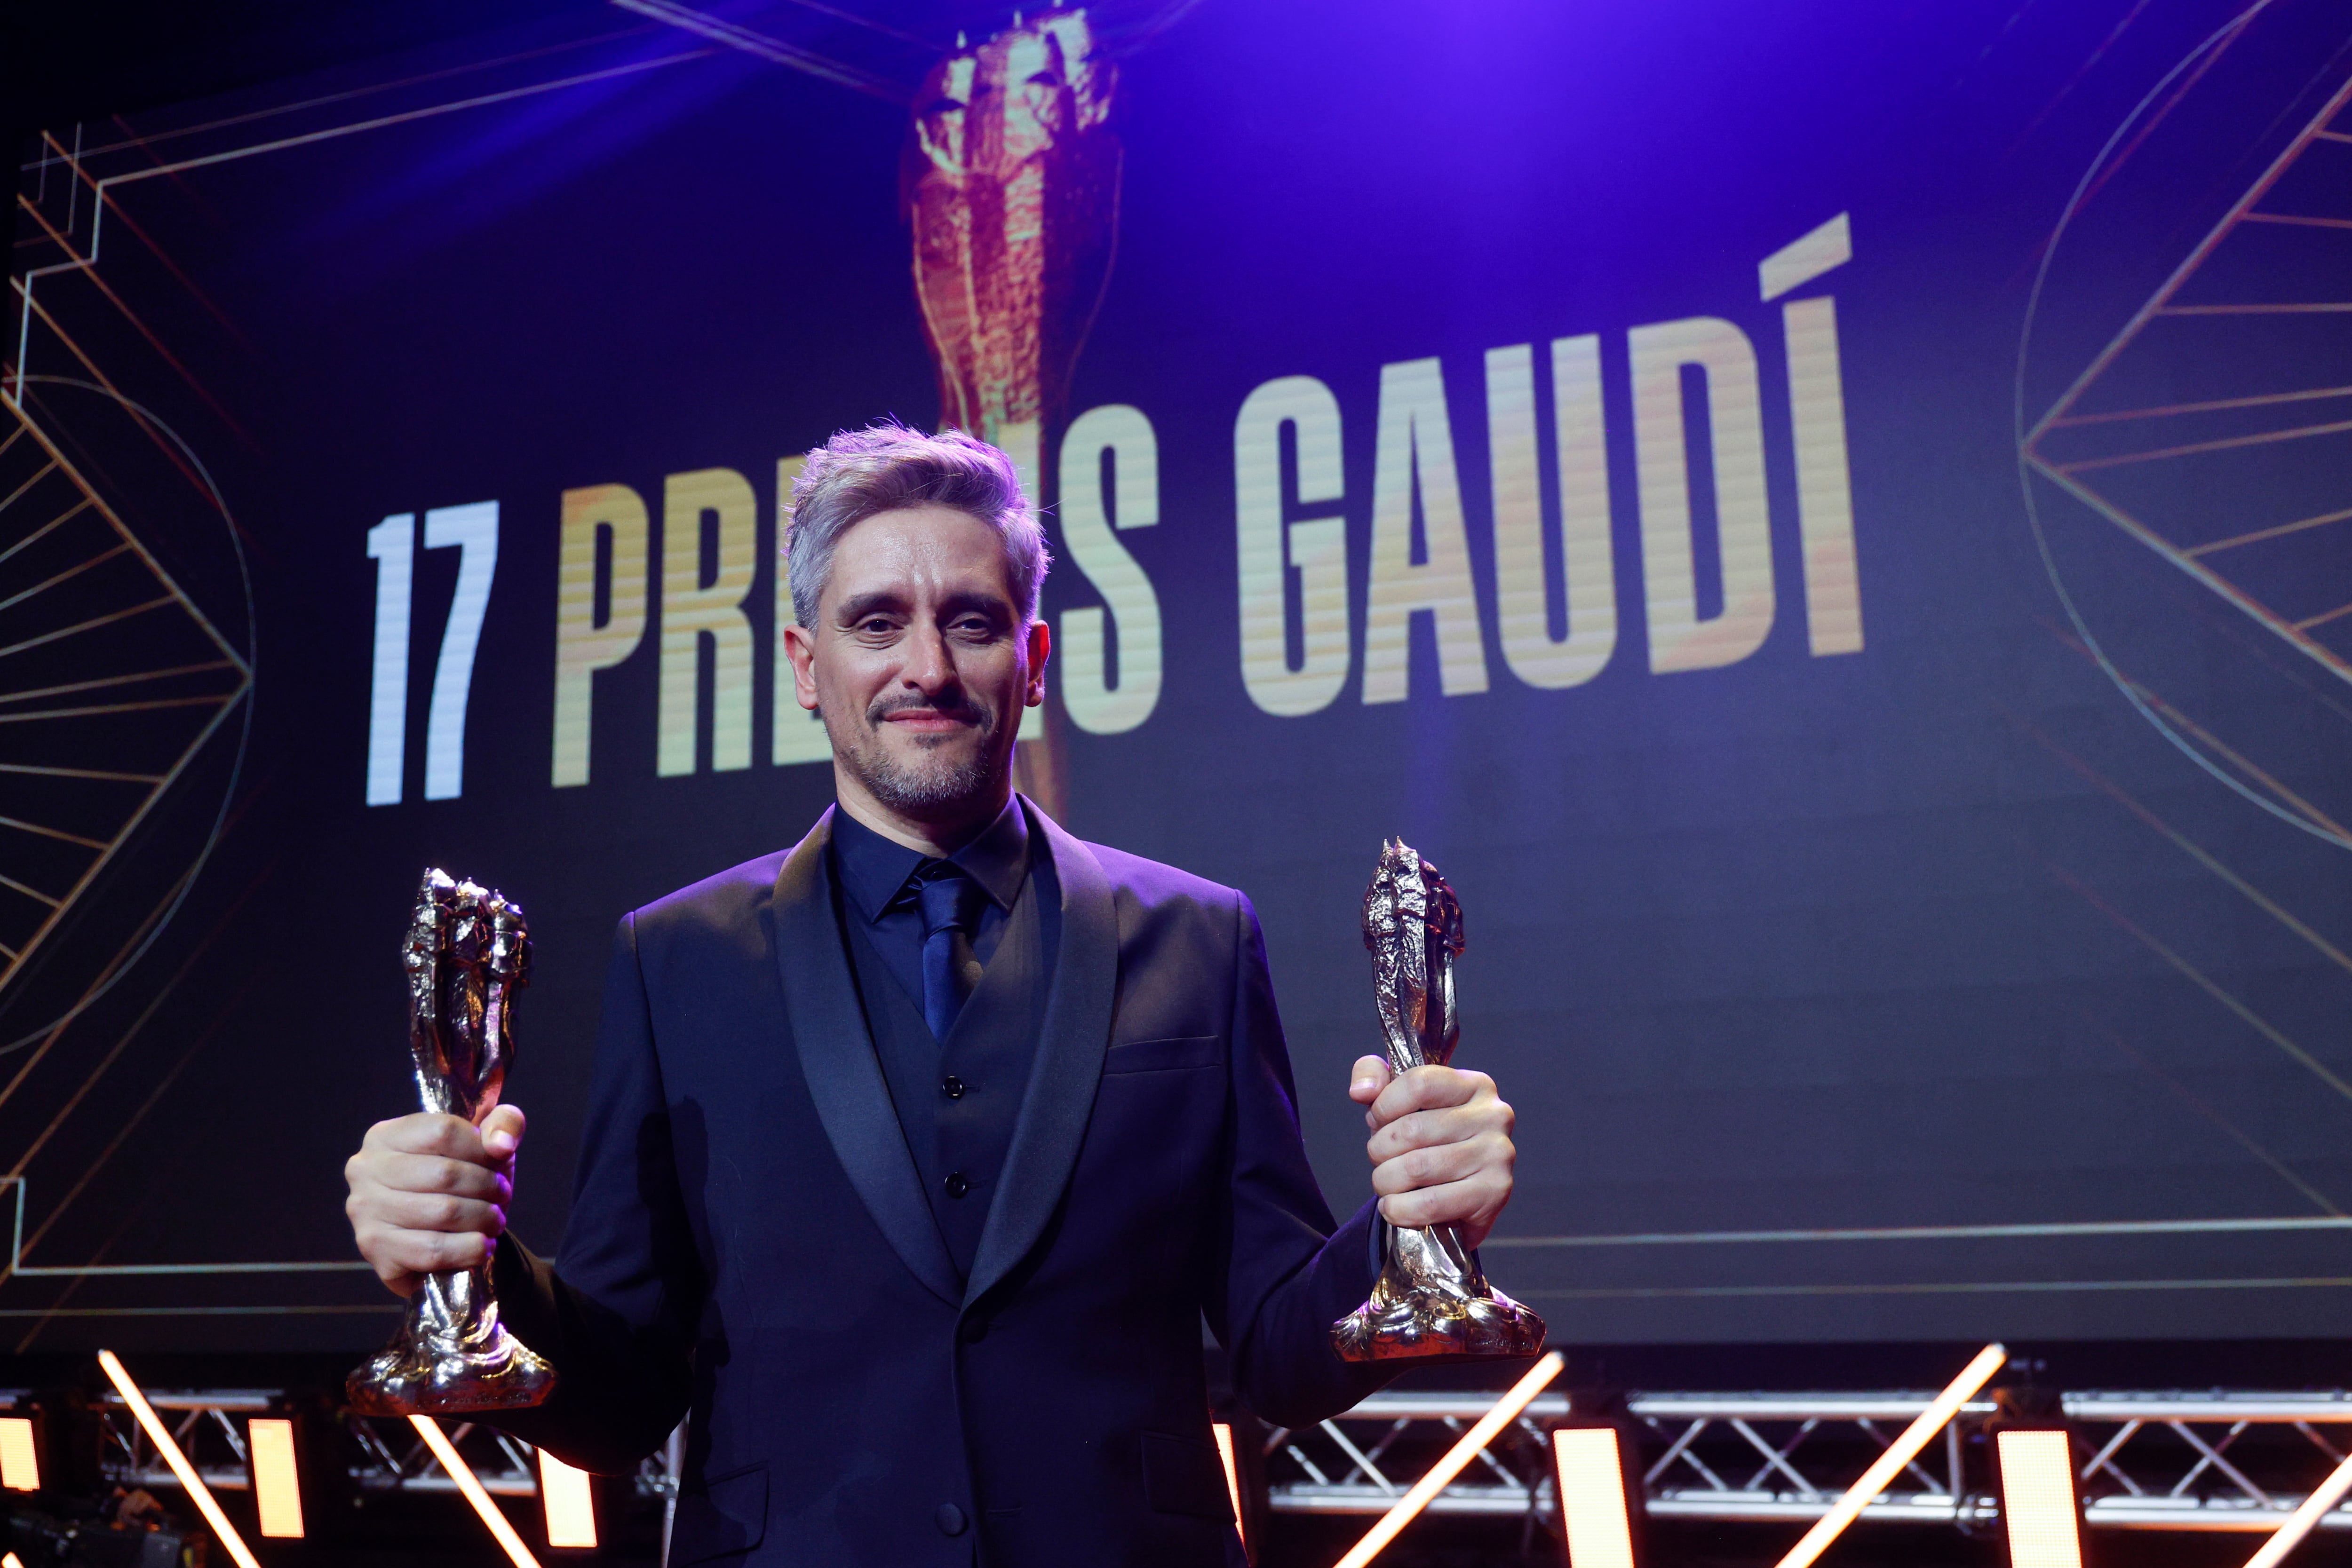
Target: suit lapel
x,y
837,1058
1069,1066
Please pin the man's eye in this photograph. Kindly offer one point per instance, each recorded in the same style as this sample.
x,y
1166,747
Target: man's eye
x,y
874,624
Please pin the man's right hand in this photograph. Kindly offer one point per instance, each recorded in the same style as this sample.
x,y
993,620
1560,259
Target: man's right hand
x,y
429,1193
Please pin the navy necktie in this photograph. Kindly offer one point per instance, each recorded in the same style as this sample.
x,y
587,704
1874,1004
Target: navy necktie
x,y
951,903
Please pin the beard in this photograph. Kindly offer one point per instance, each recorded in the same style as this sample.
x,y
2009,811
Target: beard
x,y
933,784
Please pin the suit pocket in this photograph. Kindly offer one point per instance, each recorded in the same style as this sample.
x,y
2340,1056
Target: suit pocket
x,y
727,1518
1158,1055
1184,1475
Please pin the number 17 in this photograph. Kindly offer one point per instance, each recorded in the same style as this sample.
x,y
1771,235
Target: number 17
x,y
392,543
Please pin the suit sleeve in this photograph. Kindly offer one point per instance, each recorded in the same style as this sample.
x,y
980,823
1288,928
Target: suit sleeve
x,y
616,1314
1286,1273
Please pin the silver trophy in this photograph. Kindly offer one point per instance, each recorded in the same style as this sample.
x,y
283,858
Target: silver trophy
x,y
1431,1298
468,956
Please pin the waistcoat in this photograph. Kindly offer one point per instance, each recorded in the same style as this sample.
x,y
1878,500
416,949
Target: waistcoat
x,y
957,1099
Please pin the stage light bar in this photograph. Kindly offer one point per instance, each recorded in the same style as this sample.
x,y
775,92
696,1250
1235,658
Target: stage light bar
x,y
571,1506
1402,1512
459,1471
20,1455
1594,1514
1232,1476
161,1435
2306,1518
2037,1499
276,1481
1889,1465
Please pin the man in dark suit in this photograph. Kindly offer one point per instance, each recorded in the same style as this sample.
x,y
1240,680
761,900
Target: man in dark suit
x,y
917,1153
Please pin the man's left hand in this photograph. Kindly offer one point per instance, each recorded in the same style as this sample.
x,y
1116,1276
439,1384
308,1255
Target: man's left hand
x,y
1440,1145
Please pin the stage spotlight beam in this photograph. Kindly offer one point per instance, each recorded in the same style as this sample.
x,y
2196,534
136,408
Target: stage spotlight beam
x,y
2304,1520
463,1474
1407,1507
161,1435
1901,1452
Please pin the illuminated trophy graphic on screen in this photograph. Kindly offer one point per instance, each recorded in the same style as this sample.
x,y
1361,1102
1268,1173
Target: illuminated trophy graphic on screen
x,y
1431,1298
468,956
1011,181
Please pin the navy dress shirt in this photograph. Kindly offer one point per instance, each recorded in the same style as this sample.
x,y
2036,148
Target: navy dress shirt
x,y
875,870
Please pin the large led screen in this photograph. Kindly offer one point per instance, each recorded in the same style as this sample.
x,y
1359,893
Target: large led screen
x,y
1826,522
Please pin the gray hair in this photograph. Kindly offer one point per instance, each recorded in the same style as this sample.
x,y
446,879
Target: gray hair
x,y
886,467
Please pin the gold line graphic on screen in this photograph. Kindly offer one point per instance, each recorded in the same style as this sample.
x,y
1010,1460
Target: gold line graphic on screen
x,y
69,288
2252,290
116,677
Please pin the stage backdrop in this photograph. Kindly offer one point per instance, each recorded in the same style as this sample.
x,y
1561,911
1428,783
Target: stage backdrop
x,y
1824,522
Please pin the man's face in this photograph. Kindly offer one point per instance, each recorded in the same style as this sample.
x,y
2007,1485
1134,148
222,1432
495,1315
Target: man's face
x,y
921,663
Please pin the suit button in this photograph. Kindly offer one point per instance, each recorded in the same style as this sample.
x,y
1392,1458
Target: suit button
x,y
957,1188
952,1088
950,1519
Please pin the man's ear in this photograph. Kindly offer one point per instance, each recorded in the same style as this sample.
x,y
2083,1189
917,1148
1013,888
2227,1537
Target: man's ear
x,y
801,649
1041,648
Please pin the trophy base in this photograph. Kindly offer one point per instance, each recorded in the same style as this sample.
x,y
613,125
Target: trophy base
x,y
1429,1324
1432,1303
451,1357
427,1380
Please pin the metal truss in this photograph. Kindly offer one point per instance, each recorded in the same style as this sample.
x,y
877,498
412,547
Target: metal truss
x,y
382,1454
2146,1461
208,1427
2204,1461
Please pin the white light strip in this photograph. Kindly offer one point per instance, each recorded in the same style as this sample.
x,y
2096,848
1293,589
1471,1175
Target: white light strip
x,y
447,1452
1592,1505
277,1479
2306,1518
1233,1476
161,1435
2037,1500
20,1458
571,1506
1505,1412
1904,1449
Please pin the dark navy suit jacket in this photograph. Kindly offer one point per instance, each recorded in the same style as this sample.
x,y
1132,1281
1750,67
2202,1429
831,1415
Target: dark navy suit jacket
x,y
750,1239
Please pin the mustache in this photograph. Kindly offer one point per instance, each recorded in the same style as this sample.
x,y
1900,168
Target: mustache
x,y
954,704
